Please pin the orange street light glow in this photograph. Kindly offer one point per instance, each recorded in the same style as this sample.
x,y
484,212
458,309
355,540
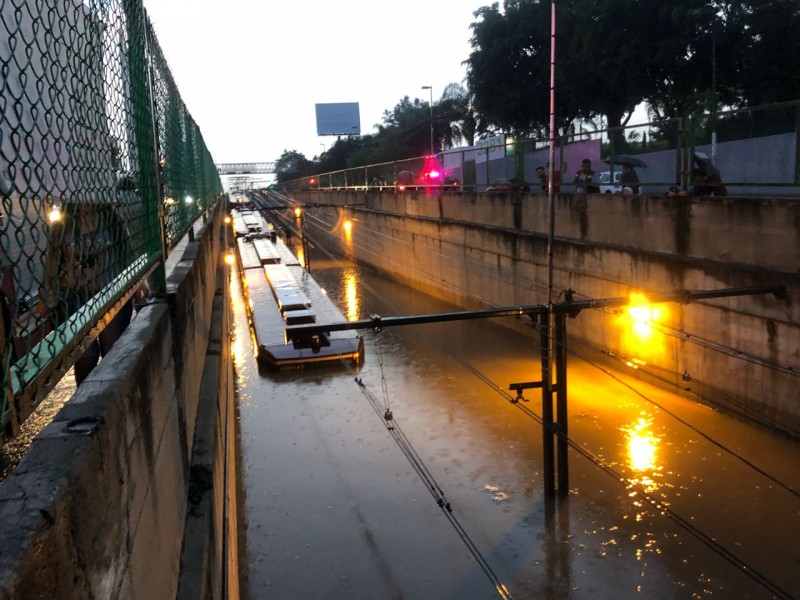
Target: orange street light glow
x,y
643,315
642,445
297,212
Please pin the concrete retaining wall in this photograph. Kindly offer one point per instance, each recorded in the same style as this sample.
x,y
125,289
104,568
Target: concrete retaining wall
x,y
132,470
742,353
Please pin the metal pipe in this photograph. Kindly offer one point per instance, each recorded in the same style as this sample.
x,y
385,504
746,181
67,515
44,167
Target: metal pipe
x,y
680,296
430,88
376,321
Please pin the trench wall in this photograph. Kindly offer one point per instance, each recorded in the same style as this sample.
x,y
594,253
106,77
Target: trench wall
x,y
741,353
123,494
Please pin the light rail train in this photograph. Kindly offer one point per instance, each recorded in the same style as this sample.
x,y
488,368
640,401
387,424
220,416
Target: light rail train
x,y
279,292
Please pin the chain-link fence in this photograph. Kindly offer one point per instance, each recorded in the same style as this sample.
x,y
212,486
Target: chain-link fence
x,y
747,152
102,170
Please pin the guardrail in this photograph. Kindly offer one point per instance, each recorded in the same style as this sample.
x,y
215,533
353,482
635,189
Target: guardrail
x,y
752,152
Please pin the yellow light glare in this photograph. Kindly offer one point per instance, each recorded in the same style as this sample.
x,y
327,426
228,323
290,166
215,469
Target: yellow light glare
x,y
230,258
297,212
227,220
642,314
55,215
351,295
238,351
642,445
348,230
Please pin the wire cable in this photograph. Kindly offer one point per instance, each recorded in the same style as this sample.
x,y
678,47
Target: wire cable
x,y
685,524
419,466
414,459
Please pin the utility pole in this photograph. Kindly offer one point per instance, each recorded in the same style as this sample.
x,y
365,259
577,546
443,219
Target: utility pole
x,y
430,89
555,468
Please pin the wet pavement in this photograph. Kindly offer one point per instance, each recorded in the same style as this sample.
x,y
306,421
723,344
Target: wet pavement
x,y
668,498
13,451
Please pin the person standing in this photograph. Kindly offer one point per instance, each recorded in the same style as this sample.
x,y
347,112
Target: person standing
x,y
628,178
584,178
540,173
543,174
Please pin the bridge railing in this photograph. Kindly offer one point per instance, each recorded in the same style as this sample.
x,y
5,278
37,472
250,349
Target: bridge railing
x,y
103,170
754,151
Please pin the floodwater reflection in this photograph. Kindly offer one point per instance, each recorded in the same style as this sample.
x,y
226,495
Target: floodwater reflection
x,y
325,485
351,295
642,453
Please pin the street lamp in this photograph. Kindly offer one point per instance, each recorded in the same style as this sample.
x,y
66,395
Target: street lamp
x,y
430,88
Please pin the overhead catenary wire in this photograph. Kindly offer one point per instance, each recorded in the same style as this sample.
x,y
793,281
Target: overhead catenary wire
x,y
491,273
531,285
655,502
488,271
641,492
424,473
686,423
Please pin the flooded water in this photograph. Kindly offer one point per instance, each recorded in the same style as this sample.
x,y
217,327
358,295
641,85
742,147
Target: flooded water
x,y
668,499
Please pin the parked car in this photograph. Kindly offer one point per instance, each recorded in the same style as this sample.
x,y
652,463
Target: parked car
x,y
432,178
506,185
404,180
603,179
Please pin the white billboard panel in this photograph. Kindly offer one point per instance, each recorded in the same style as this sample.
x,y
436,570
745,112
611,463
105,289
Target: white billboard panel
x,y
490,148
338,118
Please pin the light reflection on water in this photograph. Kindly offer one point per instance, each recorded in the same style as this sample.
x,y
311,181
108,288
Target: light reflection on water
x,y
604,540
642,453
351,294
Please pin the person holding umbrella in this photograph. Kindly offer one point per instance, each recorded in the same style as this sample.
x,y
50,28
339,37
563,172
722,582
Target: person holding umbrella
x,y
629,179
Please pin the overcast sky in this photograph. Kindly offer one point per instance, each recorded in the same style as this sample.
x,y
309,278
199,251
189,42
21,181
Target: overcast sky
x,y
251,71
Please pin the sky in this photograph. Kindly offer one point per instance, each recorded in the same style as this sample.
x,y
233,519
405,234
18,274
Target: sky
x,y
251,71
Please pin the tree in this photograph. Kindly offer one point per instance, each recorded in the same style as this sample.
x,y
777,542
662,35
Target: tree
x,y
454,118
768,48
292,165
611,55
337,157
406,128
508,70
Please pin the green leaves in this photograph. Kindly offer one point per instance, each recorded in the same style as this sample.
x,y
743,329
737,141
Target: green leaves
x,y
680,56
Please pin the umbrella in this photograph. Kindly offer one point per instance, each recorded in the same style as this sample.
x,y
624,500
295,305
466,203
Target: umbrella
x,y
625,159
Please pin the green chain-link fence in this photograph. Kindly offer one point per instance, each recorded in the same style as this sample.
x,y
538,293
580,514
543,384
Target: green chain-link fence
x,y
102,171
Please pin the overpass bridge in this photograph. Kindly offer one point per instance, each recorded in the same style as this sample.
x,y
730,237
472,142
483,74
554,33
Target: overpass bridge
x,y
246,168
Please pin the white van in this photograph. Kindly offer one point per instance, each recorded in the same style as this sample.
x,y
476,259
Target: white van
x,y
603,180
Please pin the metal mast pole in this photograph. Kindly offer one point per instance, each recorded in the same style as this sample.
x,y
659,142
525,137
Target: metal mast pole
x,y
547,326
430,89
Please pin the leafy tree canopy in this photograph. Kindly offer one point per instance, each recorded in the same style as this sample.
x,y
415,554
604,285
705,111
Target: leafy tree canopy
x,y
292,165
611,55
679,57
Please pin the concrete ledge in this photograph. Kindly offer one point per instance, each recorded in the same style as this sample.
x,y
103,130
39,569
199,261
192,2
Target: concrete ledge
x,y
492,251
201,566
97,508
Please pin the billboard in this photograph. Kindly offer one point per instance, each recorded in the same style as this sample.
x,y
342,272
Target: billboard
x,y
490,148
338,118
